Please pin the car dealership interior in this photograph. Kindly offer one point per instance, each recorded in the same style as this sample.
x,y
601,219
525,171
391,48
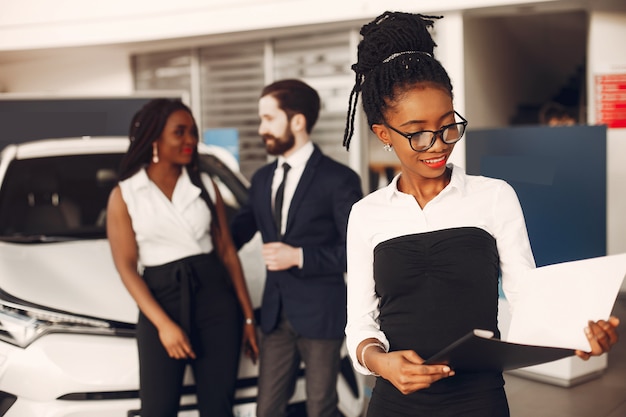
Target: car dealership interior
x,y
72,69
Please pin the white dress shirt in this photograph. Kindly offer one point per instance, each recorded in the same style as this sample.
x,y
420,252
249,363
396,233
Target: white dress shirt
x,y
168,230
467,201
297,161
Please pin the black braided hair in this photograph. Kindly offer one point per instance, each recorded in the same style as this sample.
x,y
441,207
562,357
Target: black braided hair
x,y
396,52
145,128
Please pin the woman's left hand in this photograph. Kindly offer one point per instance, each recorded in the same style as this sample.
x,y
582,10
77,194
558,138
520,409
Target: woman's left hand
x,y
602,335
250,345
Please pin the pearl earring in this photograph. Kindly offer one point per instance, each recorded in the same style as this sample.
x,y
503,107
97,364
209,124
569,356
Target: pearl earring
x,y
155,153
387,147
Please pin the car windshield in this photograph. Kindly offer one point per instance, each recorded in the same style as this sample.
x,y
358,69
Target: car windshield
x,y
65,197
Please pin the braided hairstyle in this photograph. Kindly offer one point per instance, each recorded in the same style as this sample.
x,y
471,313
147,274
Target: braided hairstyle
x,y
145,128
396,52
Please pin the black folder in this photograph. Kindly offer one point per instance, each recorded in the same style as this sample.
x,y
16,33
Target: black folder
x,y
480,351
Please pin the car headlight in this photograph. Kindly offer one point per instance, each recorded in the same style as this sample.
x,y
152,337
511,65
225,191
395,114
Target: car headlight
x,y
21,325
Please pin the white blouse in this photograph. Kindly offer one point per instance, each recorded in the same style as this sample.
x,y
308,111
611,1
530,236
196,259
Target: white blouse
x,y
468,201
168,230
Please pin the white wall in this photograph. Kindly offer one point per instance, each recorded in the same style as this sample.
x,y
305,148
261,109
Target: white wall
x,y
488,76
44,45
28,24
450,51
607,55
81,71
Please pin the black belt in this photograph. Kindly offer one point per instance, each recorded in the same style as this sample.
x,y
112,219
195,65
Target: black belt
x,y
186,275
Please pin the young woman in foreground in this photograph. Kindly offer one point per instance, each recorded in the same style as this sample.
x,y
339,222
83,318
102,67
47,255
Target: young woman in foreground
x,y
425,253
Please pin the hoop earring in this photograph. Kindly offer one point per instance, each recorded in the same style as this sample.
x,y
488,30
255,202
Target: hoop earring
x,y
387,147
155,153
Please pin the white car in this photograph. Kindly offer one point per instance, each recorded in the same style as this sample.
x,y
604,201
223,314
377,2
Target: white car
x,y
67,345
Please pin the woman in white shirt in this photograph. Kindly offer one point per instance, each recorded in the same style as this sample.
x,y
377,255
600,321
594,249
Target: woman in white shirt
x,y
425,253
171,245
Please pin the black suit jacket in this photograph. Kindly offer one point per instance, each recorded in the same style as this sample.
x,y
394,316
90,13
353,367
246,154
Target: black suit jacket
x,y
313,298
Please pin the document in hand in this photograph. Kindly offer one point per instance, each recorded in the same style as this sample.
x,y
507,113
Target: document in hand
x,y
478,351
555,302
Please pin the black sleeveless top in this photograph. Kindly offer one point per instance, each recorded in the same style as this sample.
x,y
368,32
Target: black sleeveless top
x,y
434,288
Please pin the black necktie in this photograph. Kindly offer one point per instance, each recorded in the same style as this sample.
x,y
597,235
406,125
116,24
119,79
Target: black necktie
x,y
278,200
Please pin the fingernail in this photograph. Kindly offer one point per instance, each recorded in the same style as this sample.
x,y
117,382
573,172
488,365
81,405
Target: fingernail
x,y
446,369
588,331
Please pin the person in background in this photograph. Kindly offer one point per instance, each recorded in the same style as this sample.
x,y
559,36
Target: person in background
x,y
166,218
554,114
425,253
300,203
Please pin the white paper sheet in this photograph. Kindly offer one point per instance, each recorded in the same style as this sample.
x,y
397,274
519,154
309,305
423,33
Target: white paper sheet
x,y
555,302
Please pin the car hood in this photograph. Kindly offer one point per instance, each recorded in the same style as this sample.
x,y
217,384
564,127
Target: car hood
x,y
76,277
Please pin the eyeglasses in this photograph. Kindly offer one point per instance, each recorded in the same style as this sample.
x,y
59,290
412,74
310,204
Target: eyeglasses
x,y
423,140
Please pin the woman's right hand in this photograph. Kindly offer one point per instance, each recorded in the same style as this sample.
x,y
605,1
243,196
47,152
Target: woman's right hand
x,y
405,371
250,343
175,341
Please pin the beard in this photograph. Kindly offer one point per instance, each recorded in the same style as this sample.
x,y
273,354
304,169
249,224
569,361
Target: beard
x,y
279,145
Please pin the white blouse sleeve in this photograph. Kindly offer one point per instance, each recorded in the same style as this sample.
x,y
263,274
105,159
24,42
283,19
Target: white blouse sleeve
x,y
362,300
512,240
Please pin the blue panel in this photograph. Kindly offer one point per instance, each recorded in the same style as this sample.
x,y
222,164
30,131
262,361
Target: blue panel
x,y
227,138
559,174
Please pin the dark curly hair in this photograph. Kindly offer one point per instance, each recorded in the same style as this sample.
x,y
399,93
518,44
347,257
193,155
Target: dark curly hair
x,y
396,52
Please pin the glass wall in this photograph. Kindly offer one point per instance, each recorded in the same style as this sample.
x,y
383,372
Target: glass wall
x,y
224,83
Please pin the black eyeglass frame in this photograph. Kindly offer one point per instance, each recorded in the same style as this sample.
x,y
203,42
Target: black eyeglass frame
x,y
435,133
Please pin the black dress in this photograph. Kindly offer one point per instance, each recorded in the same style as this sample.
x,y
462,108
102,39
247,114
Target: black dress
x,y
434,288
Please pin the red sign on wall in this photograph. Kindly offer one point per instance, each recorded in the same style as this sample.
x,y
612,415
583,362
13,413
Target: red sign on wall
x,y
611,100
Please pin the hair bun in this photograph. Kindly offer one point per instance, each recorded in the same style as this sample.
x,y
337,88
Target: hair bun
x,y
393,33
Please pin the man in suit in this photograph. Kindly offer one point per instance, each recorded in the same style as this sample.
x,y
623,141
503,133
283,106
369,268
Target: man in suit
x,y
303,222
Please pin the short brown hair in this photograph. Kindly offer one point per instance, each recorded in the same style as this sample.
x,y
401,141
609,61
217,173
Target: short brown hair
x,y
295,97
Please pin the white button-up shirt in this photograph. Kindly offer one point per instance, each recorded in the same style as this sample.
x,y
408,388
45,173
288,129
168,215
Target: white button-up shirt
x,y
168,230
467,201
297,161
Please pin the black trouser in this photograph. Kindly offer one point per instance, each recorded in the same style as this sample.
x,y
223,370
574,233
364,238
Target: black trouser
x,y
196,292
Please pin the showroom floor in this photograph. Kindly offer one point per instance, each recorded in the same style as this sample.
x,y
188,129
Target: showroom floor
x,y
604,396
